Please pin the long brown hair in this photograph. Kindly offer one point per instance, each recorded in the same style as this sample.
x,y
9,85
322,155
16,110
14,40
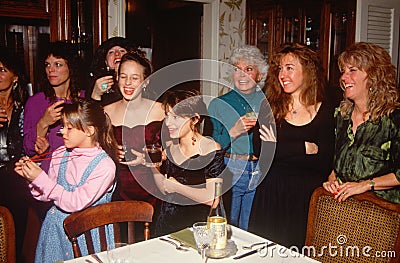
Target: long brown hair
x,y
314,79
381,73
68,52
84,113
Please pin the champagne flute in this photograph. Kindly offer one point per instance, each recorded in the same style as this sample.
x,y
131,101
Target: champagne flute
x,y
203,235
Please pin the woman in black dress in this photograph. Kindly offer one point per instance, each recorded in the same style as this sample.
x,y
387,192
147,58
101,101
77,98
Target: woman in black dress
x,y
304,145
192,165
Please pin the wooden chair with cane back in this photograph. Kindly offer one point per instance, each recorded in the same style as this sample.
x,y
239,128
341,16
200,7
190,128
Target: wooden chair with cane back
x,y
100,216
7,236
364,228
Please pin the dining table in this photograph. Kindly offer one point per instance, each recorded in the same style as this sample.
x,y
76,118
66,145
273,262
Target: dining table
x,y
157,250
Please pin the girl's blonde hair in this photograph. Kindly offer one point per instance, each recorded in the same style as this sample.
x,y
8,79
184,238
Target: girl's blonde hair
x,y
84,113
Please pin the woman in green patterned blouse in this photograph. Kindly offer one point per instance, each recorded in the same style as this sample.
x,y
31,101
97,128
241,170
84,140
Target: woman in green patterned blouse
x,y
367,145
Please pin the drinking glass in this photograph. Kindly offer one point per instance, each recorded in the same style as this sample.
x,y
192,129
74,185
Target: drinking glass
x,y
153,155
129,156
110,72
203,235
119,253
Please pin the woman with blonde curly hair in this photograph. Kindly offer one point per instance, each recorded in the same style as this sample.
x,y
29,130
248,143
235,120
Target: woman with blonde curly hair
x,y
367,126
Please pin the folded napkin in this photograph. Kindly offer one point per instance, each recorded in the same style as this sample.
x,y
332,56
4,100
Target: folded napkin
x,y
185,236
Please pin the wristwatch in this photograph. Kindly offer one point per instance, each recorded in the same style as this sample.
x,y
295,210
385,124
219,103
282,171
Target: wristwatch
x,y
372,184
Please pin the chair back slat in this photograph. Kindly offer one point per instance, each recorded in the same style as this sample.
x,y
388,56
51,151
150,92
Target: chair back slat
x,y
103,239
361,222
132,233
117,233
89,242
111,213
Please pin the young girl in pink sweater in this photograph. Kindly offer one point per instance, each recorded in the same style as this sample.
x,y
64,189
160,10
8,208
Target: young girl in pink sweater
x,y
81,174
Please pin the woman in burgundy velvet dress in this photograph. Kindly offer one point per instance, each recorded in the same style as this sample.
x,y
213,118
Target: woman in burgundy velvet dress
x,y
137,121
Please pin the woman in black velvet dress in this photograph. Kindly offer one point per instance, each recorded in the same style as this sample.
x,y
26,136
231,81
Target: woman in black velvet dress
x,y
304,145
192,165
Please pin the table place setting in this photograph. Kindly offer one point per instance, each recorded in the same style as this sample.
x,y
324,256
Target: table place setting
x,y
247,248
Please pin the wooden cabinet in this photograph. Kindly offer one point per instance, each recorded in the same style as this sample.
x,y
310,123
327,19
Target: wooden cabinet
x,y
27,26
25,9
325,26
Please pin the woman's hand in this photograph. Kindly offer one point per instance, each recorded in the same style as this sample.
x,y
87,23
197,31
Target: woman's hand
x,y
27,169
3,116
348,189
51,115
41,144
311,148
242,125
332,186
170,185
267,134
140,159
101,86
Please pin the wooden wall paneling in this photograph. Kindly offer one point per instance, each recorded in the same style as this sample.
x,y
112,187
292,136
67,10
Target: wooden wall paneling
x,y
60,20
100,22
25,9
325,29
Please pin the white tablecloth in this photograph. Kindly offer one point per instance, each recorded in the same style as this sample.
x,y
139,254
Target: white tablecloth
x,y
155,250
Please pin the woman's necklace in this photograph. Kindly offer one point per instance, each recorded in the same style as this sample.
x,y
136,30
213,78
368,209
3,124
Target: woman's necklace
x,y
7,105
364,115
295,111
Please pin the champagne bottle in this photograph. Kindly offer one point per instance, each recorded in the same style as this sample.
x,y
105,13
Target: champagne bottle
x,y
218,223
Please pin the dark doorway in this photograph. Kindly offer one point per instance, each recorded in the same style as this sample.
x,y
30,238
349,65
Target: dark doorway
x,y
172,29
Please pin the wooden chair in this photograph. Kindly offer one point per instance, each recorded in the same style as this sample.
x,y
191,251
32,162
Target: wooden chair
x,y
363,225
7,236
110,213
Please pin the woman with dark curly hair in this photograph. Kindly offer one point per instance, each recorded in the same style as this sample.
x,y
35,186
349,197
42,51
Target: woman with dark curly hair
x,y
367,142
43,110
104,66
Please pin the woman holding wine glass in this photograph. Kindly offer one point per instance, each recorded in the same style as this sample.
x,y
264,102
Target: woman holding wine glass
x,y
42,113
60,84
137,122
104,68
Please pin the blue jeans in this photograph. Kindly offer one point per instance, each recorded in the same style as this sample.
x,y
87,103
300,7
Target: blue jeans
x,y
244,173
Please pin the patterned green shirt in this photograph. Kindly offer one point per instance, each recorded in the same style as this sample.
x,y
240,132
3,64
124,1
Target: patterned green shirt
x,y
374,150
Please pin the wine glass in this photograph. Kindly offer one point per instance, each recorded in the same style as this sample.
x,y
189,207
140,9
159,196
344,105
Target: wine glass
x,y
153,155
109,72
203,235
